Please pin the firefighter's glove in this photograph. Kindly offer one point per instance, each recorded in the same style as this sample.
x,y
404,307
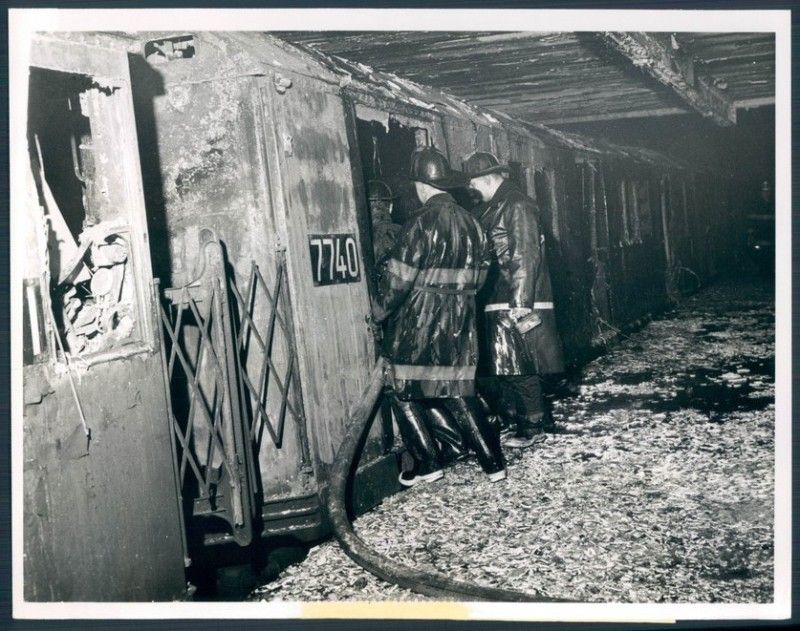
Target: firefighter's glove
x,y
375,320
378,313
377,330
517,313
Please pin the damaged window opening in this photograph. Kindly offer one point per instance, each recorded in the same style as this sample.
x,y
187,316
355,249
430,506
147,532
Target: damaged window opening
x,y
170,48
630,195
421,137
601,208
516,173
645,211
87,262
386,156
634,219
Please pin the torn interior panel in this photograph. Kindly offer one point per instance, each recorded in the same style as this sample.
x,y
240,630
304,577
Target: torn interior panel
x,y
91,284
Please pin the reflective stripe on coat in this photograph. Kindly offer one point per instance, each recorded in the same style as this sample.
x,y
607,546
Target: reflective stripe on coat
x,y
427,293
518,277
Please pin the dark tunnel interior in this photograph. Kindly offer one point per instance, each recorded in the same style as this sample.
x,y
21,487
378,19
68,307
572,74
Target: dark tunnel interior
x,y
745,151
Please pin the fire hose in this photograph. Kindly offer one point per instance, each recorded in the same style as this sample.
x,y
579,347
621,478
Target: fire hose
x,y
422,582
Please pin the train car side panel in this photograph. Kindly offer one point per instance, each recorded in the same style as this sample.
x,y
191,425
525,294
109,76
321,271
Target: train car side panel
x,y
313,172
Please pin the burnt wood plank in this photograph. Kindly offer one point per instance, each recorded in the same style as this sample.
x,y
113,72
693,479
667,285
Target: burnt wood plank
x,y
672,67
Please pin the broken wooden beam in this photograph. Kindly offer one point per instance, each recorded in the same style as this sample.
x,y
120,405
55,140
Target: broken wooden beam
x,y
660,56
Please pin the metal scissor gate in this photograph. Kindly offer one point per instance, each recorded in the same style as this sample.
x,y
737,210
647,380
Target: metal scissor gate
x,y
258,371
223,379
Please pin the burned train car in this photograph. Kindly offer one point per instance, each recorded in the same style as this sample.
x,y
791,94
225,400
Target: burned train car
x,y
198,280
100,520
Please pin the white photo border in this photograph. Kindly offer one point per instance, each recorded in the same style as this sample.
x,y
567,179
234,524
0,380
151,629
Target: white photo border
x,y
24,22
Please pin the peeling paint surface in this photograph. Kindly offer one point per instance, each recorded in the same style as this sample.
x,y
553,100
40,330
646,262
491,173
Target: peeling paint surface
x,y
82,493
335,347
82,513
550,77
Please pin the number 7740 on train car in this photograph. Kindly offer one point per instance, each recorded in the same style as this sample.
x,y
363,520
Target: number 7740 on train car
x,y
334,259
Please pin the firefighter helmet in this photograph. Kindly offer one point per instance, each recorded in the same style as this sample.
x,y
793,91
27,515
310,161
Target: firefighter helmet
x,y
482,163
430,166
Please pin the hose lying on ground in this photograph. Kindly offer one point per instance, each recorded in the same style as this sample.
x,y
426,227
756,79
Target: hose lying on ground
x,y
426,583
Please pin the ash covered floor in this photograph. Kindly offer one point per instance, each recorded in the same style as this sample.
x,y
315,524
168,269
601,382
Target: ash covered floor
x,y
657,488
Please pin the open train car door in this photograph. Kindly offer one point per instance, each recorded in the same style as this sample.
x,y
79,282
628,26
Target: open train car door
x,y
382,143
101,517
313,193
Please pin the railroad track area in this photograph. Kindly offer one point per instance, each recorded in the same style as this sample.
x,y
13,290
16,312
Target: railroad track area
x,y
656,487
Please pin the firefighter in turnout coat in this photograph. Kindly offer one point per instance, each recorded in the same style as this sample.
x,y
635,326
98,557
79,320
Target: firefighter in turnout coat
x,y
427,298
519,340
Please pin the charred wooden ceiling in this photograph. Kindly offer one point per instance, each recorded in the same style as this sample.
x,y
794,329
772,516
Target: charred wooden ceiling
x,y
567,77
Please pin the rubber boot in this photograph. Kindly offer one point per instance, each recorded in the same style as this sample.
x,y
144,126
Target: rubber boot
x,y
452,444
495,420
487,409
417,438
469,415
529,431
548,424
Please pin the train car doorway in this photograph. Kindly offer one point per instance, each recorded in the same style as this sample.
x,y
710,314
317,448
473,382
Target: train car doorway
x,y
385,146
385,153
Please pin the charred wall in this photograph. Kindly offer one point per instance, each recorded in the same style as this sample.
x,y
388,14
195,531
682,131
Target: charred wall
x,y
729,167
206,172
259,157
101,518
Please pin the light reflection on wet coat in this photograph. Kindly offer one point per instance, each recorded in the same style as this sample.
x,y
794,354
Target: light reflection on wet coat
x,y
428,298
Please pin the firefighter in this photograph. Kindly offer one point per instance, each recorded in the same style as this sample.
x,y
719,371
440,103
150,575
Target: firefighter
x,y
446,434
384,230
427,298
519,340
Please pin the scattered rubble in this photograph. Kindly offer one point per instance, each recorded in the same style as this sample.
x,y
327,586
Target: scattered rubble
x,y
98,314
658,486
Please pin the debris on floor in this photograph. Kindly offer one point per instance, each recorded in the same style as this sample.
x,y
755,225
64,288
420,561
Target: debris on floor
x,y
657,486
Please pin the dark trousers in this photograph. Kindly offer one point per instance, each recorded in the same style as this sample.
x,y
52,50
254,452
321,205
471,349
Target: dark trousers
x,y
420,420
517,399
447,433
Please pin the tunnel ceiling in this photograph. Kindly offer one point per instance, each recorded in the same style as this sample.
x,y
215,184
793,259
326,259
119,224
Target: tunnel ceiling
x,y
561,77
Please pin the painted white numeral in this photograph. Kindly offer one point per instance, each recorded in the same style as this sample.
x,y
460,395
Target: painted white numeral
x,y
341,265
329,243
317,243
352,257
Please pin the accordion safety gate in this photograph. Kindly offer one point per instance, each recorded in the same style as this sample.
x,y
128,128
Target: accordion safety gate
x,y
227,396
